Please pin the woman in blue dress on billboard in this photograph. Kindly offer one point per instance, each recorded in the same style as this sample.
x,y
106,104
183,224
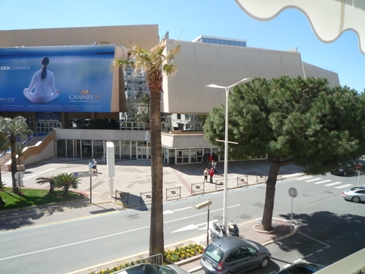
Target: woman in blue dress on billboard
x,y
41,89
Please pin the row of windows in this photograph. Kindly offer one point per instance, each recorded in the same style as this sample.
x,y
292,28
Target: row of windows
x,y
223,42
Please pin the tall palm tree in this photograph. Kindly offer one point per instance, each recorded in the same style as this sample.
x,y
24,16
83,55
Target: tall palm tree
x,y
4,146
155,63
66,181
15,128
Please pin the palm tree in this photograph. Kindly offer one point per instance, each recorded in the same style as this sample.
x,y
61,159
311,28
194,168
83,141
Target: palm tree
x,y
15,128
47,180
66,181
4,146
155,63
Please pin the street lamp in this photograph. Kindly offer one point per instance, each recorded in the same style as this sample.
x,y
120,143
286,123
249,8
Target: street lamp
x,y
244,80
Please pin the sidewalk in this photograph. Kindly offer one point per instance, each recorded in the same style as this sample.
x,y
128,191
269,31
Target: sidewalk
x,y
133,178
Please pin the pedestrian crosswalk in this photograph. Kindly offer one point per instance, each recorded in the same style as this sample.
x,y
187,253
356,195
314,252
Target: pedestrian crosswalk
x,y
327,182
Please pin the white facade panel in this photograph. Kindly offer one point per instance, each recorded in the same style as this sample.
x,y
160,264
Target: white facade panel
x,y
313,71
201,64
184,141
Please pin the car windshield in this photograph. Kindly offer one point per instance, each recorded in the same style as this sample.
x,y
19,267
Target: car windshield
x,y
354,188
164,270
148,269
253,245
214,253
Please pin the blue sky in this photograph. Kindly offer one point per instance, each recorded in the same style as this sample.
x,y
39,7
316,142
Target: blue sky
x,y
187,19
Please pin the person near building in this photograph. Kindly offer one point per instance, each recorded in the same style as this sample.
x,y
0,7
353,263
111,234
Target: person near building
x,y
206,172
95,166
210,159
90,165
211,174
215,167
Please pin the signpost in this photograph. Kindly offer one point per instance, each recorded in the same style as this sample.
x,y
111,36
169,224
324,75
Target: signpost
x,y
292,193
80,174
200,206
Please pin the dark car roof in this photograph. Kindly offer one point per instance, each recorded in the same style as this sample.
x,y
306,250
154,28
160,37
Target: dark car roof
x,y
230,242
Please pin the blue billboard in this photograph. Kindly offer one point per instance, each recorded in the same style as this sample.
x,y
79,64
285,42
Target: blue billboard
x,y
57,79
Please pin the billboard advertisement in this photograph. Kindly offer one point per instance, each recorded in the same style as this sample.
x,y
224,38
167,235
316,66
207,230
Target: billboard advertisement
x,y
57,79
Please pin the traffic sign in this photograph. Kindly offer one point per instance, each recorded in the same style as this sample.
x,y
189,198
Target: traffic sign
x,y
79,174
19,175
293,192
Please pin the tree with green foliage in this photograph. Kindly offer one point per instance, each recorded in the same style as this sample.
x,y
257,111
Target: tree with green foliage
x,y
4,146
66,181
295,121
16,129
47,180
154,63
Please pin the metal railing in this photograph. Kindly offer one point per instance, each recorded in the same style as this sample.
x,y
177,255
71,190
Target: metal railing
x,y
173,193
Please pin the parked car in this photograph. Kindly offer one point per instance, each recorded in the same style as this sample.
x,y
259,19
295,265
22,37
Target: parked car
x,y
301,268
153,269
234,255
355,194
345,169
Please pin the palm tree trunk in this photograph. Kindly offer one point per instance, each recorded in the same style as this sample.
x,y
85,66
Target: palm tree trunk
x,y
65,191
156,226
13,163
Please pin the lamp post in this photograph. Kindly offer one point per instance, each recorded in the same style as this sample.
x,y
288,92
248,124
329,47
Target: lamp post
x,y
244,80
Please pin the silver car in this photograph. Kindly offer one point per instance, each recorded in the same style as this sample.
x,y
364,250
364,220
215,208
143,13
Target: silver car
x,y
234,255
355,194
153,269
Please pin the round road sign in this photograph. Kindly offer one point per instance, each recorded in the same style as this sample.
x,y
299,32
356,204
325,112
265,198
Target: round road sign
x,y
293,192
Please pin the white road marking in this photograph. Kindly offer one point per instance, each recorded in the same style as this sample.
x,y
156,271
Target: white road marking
x,y
309,255
200,214
339,187
322,182
175,210
192,227
333,184
304,178
297,260
314,239
320,250
37,174
312,180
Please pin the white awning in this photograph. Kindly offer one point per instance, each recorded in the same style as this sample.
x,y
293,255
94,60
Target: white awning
x,y
329,18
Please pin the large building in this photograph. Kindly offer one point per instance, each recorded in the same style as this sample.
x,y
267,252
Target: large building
x,y
94,106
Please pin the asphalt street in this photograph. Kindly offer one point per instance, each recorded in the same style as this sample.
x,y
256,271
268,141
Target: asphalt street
x,y
85,235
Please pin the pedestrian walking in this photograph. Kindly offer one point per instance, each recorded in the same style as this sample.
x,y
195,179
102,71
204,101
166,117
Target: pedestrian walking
x,y
95,166
206,172
211,174
215,167
90,165
210,159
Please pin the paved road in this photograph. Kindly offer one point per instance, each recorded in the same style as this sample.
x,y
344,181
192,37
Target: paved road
x,y
314,193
